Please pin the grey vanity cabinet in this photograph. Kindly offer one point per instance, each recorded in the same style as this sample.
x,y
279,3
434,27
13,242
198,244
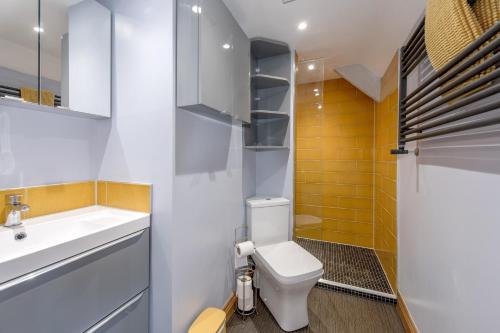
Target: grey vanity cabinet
x,y
101,290
132,317
213,60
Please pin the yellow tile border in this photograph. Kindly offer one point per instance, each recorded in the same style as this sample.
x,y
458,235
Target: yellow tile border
x,y
70,195
138,197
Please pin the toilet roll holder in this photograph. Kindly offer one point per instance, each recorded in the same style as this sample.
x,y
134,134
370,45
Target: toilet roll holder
x,y
246,305
244,275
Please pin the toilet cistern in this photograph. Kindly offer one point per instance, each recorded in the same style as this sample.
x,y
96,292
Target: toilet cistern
x,y
16,207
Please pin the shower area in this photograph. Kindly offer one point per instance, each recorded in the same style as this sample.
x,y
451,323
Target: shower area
x,y
345,181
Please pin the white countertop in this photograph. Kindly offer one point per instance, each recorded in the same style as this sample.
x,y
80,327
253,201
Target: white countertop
x,y
55,237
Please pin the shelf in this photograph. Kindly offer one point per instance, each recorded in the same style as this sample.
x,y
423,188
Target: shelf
x,y
262,81
266,147
266,48
265,114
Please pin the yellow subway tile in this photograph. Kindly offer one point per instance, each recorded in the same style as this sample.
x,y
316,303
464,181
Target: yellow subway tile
x,y
339,213
331,165
364,215
51,199
338,190
364,191
308,165
129,196
355,227
308,210
330,200
101,193
308,233
360,203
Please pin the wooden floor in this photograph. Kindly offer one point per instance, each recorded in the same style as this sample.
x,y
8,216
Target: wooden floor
x,y
329,312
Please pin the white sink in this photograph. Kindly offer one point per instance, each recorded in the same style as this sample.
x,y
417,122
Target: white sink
x,y
55,237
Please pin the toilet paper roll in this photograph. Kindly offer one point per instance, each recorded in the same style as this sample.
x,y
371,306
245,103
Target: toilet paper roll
x,y
245,249
239,261
244,287
245,304
244,292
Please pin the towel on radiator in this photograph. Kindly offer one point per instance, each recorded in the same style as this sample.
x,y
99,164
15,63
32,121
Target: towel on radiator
x,y
31,95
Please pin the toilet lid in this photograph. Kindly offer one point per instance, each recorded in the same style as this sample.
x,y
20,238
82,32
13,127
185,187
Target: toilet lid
x,y
289,261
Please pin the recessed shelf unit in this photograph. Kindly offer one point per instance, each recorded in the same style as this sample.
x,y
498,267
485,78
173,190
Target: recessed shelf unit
x,y
262,81
264,114
270,96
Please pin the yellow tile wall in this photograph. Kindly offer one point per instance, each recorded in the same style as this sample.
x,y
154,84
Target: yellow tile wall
x,y
49,199
124,195
334,164
386,127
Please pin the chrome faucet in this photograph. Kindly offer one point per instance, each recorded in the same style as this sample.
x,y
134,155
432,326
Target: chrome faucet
x,y
16,208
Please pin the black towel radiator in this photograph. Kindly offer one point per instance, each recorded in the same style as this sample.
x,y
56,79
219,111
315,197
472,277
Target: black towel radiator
x,y
470,77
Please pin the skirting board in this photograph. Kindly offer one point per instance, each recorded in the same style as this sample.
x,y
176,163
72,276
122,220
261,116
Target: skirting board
x,y
230,307
405,316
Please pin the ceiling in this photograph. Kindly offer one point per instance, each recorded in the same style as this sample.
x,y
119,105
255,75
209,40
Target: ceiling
x,y
340,32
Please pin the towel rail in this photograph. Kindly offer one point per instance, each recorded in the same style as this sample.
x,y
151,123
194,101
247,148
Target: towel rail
x,y
446,100
16,92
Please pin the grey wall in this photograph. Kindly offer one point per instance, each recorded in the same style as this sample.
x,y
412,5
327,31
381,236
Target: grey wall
x,y
139,139
208,205
41,148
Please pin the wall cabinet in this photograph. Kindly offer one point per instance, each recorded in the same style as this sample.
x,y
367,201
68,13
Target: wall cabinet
x,y
213,60
63,66
108,287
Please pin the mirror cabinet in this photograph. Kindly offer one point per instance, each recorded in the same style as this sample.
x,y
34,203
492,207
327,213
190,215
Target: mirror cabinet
x,y
55,55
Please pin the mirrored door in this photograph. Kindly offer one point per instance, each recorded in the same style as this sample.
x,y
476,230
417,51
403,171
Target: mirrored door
x,y
56,53
19,33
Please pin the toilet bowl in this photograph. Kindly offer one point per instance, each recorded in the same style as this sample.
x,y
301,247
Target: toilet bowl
x,y
286,272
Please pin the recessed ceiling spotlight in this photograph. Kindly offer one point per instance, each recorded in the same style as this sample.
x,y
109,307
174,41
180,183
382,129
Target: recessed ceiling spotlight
x,y
196,9
316,94
320,106
226,46
311,67
302,25
316,90
38,29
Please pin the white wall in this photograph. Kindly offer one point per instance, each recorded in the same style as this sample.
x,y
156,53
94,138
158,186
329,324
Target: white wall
x,y
448,232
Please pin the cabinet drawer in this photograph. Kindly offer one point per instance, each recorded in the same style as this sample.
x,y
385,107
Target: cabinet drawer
x,y
131,317
74,294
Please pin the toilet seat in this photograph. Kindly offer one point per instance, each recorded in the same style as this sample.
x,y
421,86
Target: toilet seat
x,y
288,262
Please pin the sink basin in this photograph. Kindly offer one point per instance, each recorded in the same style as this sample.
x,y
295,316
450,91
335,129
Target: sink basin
x,y
55,237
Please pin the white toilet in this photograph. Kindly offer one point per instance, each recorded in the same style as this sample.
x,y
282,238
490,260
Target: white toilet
x,y
286,272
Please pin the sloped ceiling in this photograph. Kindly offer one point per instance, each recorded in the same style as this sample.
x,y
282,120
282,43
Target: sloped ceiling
x,y
342,32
